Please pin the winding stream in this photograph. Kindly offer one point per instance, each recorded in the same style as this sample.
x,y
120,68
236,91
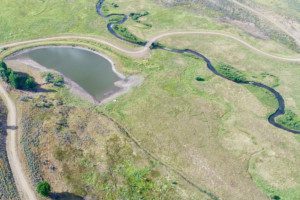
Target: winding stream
x,y
271,119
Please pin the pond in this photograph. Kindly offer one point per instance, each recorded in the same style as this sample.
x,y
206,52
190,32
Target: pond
x,y
91,71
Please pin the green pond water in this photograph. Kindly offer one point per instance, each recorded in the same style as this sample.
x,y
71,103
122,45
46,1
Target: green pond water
x,y
91,71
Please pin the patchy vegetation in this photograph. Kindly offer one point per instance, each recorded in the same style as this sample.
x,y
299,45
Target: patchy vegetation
x,y
290,120
55,79
89,157
137,16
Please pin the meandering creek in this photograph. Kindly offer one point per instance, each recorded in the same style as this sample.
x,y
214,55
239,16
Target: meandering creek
x,y
271,119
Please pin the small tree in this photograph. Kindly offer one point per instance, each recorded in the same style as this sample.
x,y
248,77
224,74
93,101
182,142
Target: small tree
x,y
43,188
29,83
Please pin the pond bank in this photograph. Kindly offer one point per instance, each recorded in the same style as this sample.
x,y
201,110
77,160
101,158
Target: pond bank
x,y
121,85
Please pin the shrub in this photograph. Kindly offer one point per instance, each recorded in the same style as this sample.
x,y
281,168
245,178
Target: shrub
x,y
49,77
29,83
231,73
115,5
137,16
275,197
21,81
58,81
55,79
127,35
290,120
156,45
43,188
199,78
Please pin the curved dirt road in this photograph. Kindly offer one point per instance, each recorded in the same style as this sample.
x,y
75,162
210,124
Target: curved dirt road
x,y
144,51
23,186
223,35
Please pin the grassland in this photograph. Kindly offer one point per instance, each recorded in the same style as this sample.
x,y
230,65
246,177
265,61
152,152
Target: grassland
x,y
81,145
214,132
32,19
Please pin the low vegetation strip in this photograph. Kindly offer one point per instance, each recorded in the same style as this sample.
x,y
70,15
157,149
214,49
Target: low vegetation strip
x,y
231,73
8,188
123,31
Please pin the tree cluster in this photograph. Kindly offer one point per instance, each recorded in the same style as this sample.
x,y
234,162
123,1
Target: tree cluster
x,y
17,80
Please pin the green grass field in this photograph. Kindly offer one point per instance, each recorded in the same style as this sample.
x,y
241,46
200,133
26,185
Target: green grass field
x,y
215,132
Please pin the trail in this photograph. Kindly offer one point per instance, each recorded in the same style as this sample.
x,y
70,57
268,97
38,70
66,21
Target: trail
x,y
144,51
23,186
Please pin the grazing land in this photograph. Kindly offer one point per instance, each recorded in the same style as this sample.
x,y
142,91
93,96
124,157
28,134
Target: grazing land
x,y
184,133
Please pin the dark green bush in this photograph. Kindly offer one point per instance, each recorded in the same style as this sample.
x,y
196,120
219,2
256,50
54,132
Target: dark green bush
x,y
231,73
199,78
43,188
156,45
275,197
21,81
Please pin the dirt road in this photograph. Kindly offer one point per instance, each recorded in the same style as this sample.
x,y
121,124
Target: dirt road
x,y
22,183
144,51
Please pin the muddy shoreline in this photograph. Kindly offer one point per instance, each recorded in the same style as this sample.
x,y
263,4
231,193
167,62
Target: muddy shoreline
x,y
124,85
